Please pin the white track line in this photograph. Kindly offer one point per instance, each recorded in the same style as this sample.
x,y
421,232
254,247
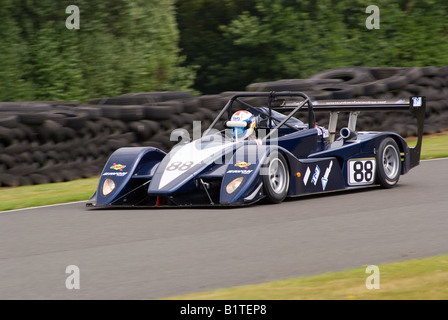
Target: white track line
x,y
435,159
46,206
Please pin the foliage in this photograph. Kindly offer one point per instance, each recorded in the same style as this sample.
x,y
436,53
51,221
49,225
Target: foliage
x,y
122,46
268,40
203,43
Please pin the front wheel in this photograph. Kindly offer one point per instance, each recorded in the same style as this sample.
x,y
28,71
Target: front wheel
x,y
275,176
389,163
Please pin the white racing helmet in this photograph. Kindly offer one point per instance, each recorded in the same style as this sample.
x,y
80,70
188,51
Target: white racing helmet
x,y
242,132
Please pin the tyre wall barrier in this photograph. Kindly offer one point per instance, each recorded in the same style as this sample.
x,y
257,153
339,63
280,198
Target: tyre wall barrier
x,y
56,141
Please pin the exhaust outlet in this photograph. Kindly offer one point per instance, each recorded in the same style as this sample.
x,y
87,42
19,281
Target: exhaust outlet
x,y
347,134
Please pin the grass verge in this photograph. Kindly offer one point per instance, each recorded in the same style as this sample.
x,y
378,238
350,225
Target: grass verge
x,y
45,194
405,280
434,146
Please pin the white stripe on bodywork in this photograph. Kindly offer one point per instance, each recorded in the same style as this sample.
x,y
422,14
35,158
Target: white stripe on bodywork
x,y
307,176
191,152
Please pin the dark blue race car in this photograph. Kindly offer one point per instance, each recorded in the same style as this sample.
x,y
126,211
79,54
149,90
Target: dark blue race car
x,y
269,150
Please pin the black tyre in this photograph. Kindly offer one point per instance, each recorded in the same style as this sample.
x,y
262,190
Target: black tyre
x,y
141,129
92,111
275,176
177,120
153,125
25,181
208,114
8,120
17,147
110,111
375,87
320,95
176,105
32,118
381,73
7,160
188,118
350,75
6,136
413,74
397,82
430,71
156,112
191,105
132,113
39,178
24,169
209,101
21,107
9,180
443,72
388,163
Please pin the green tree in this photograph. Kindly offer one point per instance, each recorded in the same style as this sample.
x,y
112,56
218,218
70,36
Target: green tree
x,y
276,39
122,46
13,49
202,41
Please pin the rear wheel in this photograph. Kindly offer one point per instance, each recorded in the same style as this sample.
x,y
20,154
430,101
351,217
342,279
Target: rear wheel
x,y
275,176
389,163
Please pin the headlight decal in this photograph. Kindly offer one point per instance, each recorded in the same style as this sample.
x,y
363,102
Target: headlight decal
x,y
234,184
108,186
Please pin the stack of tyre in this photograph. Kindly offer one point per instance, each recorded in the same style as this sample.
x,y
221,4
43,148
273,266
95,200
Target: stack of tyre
x,y
44,142
376,83
152,116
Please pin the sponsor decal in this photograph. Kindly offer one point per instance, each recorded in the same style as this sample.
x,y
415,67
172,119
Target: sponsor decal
x,y
325,177
242,164
316,175
118,174
240,171
416,101
321,131
118,166
307,175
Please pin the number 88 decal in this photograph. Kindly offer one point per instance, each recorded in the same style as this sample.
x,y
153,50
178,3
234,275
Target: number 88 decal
x,y
361,171
182,166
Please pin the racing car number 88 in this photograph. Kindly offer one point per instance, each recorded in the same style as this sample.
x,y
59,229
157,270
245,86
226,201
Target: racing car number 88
x,y
181,166
361,171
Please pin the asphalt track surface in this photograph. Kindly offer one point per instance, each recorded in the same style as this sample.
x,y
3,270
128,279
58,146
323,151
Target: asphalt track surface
x,y
150,254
